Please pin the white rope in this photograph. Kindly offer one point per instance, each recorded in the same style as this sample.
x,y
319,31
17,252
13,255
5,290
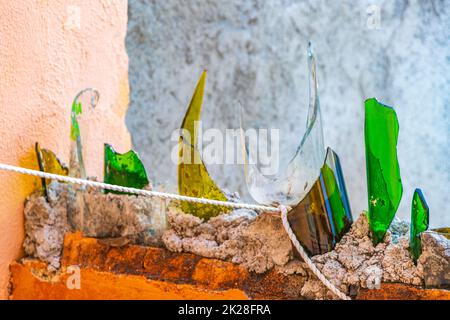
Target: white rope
x,y
172,196
305,257
141,192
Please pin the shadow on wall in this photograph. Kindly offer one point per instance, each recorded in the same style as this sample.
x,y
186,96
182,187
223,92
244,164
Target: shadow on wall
x,y
255,53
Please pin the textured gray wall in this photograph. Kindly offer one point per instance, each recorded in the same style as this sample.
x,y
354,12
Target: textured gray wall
x,y
255,53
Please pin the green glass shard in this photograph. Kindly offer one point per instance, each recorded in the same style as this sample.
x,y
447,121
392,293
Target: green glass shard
x,y
75,127
419,223
49,162
193,177
77,168
124,170
292,182
384,185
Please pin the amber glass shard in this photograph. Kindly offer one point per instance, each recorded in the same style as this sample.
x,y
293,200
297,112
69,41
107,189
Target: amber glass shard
x,y
419,223
77,168
49,162
193,177
323,216
124,170
443,232
292,183
384,184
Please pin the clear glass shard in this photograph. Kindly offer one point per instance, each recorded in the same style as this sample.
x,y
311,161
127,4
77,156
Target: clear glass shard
x,y
88,96
292,183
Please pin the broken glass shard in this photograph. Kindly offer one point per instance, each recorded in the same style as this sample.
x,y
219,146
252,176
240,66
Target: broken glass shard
x,y
292,183
49,162
124,169
193,177
419,223
77,168
384,184
443,232
323,216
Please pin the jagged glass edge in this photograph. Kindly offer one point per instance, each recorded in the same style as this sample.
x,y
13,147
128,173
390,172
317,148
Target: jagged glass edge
x,y
292,184
185,144
107,146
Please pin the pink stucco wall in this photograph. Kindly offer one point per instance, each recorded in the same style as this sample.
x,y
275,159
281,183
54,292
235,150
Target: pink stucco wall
x,y
49,50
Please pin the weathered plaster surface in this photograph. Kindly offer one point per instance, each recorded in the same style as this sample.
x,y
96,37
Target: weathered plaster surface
x,y
49,50
255,52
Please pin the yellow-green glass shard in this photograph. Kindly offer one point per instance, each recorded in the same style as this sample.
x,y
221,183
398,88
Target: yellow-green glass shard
x,y
443,232
193,113
193,177
125,169
49,162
